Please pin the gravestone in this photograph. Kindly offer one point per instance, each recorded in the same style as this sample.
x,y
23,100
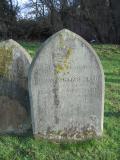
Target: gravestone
x,y
66,86
14,97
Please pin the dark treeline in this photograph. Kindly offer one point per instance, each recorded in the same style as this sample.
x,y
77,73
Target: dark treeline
x,y
95,20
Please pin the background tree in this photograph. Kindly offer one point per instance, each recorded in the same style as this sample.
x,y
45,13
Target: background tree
x,y
8,18
115,14
96,20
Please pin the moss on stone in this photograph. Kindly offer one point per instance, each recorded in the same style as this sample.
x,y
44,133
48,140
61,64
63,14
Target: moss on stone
x,y
64,67
68,135
5,60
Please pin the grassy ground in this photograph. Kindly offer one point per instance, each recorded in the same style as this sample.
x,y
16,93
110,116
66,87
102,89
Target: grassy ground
x,y
105,148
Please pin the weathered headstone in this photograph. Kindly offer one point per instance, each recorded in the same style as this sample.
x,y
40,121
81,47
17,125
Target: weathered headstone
x,y
66,86
14,98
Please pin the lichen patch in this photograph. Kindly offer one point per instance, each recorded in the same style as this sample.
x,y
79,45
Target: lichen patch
x,y
5,60
65,65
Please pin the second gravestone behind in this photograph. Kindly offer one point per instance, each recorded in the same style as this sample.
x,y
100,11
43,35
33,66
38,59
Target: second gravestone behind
x,y
14,100
66,84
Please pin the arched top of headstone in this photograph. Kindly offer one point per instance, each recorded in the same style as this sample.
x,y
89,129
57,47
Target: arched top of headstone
x,y
64,33
11,44
66,88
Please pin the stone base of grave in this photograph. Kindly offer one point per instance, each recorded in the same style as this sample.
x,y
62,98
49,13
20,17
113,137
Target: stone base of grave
x,y
78,136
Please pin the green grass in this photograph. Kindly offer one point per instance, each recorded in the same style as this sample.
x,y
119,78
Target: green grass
x,y
105,148
31,47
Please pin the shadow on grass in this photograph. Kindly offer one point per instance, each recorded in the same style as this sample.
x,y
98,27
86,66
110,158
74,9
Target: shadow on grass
x,y
112,77
111,74
112,80
28,134
112,114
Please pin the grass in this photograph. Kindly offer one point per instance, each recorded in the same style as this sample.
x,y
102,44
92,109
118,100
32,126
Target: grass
x,y
105,148
31,47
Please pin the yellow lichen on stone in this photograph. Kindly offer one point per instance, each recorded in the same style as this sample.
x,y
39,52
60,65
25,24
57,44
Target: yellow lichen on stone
x,y
5,60
59,68
69,52
65,66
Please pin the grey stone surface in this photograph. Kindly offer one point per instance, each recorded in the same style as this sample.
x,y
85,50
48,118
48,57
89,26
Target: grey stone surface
x,y
14,97
66,86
